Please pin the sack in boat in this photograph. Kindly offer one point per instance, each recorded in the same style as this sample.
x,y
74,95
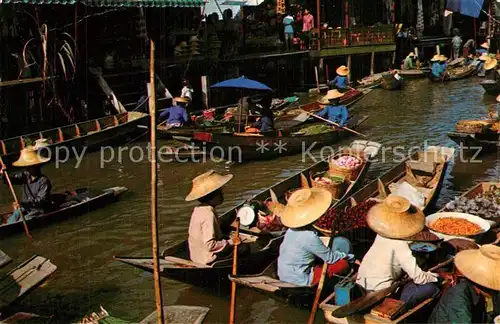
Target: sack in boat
x,y
348,172
475,126
335,184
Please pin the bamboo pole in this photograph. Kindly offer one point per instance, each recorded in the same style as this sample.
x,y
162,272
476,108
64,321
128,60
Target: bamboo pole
x,y
349,67
232,309
372,64
318,22
154,185
438,50
317,78
327,72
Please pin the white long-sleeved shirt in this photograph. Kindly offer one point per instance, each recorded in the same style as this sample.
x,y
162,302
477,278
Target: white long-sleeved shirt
x,y
385,263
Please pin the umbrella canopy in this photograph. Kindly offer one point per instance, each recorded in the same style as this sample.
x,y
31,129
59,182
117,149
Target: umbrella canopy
x,y
242,83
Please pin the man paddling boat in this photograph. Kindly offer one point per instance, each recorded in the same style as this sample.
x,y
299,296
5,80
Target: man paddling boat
x,y
206,242
36,187
340,82
436,68
302,245
465,302
333,110
395,220
176,116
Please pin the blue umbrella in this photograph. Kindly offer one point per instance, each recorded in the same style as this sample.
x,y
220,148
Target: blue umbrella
x,y
242,83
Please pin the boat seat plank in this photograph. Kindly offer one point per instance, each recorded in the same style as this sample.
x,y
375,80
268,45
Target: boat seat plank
x,y
422,166
183,262
265,283
24,278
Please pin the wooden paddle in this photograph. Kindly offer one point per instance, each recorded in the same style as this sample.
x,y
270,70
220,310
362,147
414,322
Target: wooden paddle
x,y
16,201
235,268
373,298
333,123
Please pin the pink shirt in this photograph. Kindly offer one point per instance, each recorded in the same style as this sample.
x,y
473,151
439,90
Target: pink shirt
x,y
205,237
307,22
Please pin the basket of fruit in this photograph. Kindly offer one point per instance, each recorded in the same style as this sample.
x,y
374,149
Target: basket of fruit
x,y
347,165
334,184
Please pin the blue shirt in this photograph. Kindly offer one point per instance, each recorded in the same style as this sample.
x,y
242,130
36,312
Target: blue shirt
x,y
340,82
265,124
175,115
336,114
288,21
297,254
436,69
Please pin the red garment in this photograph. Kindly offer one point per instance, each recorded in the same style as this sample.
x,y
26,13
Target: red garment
x,y
307,22
338,268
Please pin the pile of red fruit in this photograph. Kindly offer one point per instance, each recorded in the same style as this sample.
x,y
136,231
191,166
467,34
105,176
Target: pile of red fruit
x,y
346,220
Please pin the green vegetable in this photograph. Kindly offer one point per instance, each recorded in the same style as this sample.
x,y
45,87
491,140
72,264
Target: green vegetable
x,y
316,129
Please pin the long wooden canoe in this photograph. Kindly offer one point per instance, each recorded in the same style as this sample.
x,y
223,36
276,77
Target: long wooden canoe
x,y
414,74
388,84
24,278
455,74
244,147
88,135
67,205
489,142
176,264
491,87
268,283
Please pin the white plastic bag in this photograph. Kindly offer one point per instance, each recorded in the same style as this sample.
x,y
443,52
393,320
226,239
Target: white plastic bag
x,y
409,192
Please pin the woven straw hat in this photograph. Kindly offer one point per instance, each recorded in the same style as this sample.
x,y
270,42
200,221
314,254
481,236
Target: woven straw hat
x,y
305,206
411,54
435,58
331,94
490,64
484,57
343,70
481,266
443,58
29,157
485,45
41,142
395,218
181,99
207,183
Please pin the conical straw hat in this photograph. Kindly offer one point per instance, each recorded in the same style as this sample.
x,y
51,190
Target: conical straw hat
x,y
498,98
481,266
411,54
435,58
484,57
443,58
41,142
490,64
206,183
331,94
29,157
305,206
485,45
181,99
343,70
395,218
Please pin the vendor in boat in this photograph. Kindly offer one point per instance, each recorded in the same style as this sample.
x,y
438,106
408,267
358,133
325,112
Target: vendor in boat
x,y
176,116
302,245
396,79
395,220
484,48
36,187
490,68
409,61
206,242
465,302
264,124
436,68
333,110
469,59
340,82
443,60
482,60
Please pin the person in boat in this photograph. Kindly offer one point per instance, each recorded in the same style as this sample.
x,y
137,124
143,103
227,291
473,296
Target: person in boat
x,y
484,48
36,187
408,63
469,47
187,90
443,60
302,246
490,69
395,220
340,82
465,302
397,81
264,124
176,116
483,58
456,43
206,242
436,67
333,110
469,59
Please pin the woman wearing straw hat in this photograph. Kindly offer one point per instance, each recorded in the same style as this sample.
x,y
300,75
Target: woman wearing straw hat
x,y
206,242
302,245
465,302
36,187
333,110
340,82
436,67
408,62
395,220
490,68
176,116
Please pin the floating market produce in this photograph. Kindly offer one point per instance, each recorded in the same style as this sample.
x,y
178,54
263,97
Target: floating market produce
x,y
455,226
485,205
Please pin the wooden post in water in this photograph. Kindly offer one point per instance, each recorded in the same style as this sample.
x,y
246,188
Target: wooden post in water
x,y
204,90
317,78
318,22
438,50
154,185
372,64
349,67
393,58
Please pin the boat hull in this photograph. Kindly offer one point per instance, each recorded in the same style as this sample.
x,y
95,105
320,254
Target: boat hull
x,y
491,87
473,142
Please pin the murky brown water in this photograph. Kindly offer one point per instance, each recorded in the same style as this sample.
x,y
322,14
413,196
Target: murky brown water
x,y
83,247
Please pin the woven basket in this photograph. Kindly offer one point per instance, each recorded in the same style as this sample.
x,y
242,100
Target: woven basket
x,y
348,174
474,126
337,189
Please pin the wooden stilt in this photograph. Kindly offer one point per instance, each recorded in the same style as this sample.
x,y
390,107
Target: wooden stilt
x,y
438,50
318,23
393,58
349,67
204,90
372,64
317,78
154,185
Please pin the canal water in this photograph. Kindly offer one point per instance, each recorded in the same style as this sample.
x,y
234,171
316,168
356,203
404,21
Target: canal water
x,y
83,247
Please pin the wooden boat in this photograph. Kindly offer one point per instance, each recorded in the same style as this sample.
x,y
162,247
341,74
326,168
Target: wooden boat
x,y
86,135
176,264
414,74
371,81
243,147
24,278
491,87
387,83
67,205
488,142
361,238
181,153
290,118
455,74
